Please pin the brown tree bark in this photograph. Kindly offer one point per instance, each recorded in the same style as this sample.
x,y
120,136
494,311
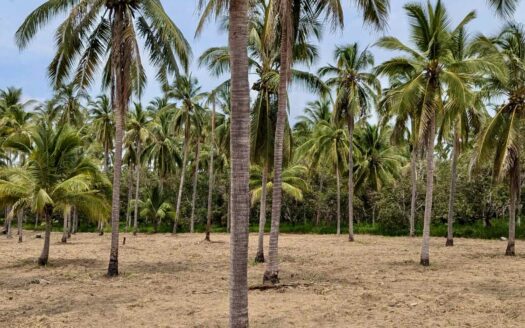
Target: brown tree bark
x,y
338,180
120,60
181,182
514,192
271,275
44,256
425,248
137,189
211,176
195,181
20,218
351,177
240,163
259,258
452,195
413,178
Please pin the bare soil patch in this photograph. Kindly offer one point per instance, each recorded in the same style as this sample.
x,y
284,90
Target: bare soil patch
x,y
182,281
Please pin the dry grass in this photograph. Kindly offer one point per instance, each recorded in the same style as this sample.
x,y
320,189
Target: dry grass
x,y
182,281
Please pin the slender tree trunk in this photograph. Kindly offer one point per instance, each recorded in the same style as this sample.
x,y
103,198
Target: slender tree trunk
x,y
36,221
413,178
351,177
137,189
121,47
9,228
318,210
452,196
338,179
211,176
74,213
195,181
514,192
181,182
425,256
228,213
44,256
20,218
130,196
240,163
259,258
271,275
64,229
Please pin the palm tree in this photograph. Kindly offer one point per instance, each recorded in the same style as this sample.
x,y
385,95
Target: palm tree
x,y
293,182
289,13
329,141
156,207
55,177
240,162
432,73
462,121
501,138
163,147
187,91
103,126
219,137
106,31
357,91
377,162
68,104
405,131
138,134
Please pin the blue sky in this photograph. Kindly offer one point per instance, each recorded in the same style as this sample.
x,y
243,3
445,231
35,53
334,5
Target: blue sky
x,y
27,69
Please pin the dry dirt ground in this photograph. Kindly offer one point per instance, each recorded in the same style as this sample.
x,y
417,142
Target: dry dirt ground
x,y
182,281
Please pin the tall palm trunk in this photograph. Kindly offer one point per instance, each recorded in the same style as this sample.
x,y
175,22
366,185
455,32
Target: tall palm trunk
x,y
240,163
271,275
452,195
211,174
338,179
65,228
259,258
75,219
137,188
20,217
195,181
36,221
413,178
130,195
44,256
425,256
350,177
181,182
8,221
121,50
514,193
319,200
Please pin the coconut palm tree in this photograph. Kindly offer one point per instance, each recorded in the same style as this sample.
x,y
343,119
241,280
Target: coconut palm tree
x,y
138,133
357,91
156,207
96,33
461,121
103,126
329,141
433,74
501,139
405,131
240,162
162,149
185,116
289,13
219,137
377,162
55,177
68,101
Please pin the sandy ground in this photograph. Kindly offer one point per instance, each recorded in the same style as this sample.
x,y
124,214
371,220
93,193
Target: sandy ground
x,y
182,281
